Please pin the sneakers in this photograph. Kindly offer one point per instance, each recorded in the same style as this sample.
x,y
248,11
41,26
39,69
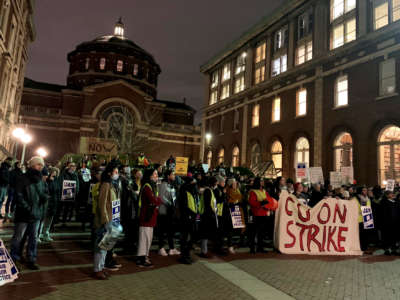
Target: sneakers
x,y
173,252
231,250
33,266
112,268
47,239
162,252
100,275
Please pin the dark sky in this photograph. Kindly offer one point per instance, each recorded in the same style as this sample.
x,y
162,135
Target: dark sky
x,y
181,34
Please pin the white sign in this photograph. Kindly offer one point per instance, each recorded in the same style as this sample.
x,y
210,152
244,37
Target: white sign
x,y
301,171
368,218
69,190
8,270
335,179
316,175
390,185
237,217
329,228
347,175
205,167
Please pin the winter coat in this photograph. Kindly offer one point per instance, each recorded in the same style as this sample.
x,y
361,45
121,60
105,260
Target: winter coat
x,y
107,195
258,208
14,177
209,221
168,198
149,207
315,198
391,213
4,174
54,196
30,197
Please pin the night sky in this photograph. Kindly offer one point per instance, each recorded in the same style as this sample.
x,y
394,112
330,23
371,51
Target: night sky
x,y
181,34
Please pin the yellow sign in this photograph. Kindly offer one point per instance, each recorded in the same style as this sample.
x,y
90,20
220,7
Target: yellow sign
x,y
90,145
181,167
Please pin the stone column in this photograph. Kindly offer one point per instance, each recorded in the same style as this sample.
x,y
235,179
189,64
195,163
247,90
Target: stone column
x,y
243,150
268,56
248,79
362,18
318,107
292,44
321,29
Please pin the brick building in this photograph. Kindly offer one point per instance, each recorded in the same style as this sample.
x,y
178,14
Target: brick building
x,y
17,31
111,93
315,82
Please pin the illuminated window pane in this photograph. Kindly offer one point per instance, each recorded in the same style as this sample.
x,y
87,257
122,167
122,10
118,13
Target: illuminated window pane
x,y
350,30
338,36
260,53
301,54
120,66
302,102
225,91
276,110
396,10
381,15
102,63
226,73
350,5
343,151
342,91
259,75
388,77
337,8
235,157
213,97
255,120
239,84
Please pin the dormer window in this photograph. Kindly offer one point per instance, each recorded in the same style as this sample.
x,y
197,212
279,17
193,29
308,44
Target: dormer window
x,y
102,63
120,66
135,69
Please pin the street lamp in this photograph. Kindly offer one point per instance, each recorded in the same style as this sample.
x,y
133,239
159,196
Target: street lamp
x,y
208,137
41,152
25,139
18,133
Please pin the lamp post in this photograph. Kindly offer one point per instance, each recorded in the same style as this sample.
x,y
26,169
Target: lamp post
x,y
25,139
208,138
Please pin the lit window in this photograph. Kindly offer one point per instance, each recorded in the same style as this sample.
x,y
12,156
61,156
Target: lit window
x,y
301,107
343,151
341,93
235,156
226,72
241,63
309,51
396,10
340,7
214,79
279,65
87,63
338,36
302,154
135,69
350,30
120,66
239,84
255,119
381,15
277,156
344,33
260,53
259,74
102,63
225,91
389,153
213,97
221,156
281,37
387,77
304,53
276,110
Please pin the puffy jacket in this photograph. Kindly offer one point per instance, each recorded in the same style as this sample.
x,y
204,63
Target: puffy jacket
x,y
54,196
258,206
30,197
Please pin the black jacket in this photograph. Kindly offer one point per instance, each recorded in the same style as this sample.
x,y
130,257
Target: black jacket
x,y
5,174
14,177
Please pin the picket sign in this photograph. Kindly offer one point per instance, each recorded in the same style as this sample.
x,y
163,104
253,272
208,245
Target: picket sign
x,y
237,217
8,270
368,218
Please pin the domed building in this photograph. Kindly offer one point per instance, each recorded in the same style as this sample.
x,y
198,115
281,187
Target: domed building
x,y
110,98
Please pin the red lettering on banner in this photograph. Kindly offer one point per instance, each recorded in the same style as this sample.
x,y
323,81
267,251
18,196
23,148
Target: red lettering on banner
x,y
330,238
303,228
303,219
342,216
324,239
291,235
341,238
289,213
329,214
313,231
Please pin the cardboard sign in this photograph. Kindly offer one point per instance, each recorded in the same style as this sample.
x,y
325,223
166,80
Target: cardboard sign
x,y
390,185
182,164
347,175
329,228
206,167
8,270
301,171
237,217
368,218
116,211
316,175
68,190
335,179
90,145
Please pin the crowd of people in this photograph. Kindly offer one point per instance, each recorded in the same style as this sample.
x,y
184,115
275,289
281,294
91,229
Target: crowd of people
x,y
179,210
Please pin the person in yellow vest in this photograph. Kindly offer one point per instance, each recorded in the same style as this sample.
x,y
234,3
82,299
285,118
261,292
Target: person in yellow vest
x,y
189,208
209,218
234,197
363,200
224,217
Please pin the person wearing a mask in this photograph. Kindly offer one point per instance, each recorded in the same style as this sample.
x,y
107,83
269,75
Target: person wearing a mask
x,y
68,201
149,201
4,181
166,215
14,177
30,199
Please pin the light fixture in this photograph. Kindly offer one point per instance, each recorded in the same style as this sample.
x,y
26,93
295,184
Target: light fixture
x,y
42,152
26,138
18,133
208,137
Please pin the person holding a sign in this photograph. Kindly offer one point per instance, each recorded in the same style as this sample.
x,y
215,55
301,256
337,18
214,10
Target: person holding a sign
x,y
30,197
363,200
261,204
234,200
68,177
390,223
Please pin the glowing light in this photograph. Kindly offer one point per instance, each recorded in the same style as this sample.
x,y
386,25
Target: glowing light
x,y
41,152
18,133
26,138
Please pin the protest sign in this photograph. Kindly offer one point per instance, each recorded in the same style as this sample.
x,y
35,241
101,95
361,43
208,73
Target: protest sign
x,y
182,164
347,175
237,217
92,145
316,175
116,211
335,179
8,270
301,171
390,185
68,190
368,218
329,228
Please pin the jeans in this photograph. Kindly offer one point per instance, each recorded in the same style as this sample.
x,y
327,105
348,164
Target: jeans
x,y
31,230
46,225
99,254
3,195
10,204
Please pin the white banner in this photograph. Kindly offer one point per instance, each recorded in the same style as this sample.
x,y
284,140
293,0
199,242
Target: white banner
x,y
68,190
8,270
329,228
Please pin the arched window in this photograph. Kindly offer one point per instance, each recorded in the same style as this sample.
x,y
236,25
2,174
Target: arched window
x,y
255,155
221,156
120,65
209,158
235,156
277,155
343,151
389,154
302,154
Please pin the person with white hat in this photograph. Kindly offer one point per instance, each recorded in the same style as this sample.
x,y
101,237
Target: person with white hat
x,y
30,197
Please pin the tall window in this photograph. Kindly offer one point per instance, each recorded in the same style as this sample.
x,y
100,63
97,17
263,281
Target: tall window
x,y
276,110
102,63
235,120
87,63
387,76
389,154
235,157
343,151
302,154
255,155
226,72
259,63
385,12
255,118
221,156
343,33
260,53
341,7
281,38
214,79
209,158
239,84
259,74
304,52
341,91
241,63
120,66
135,70
213,97
301,102
225,91
305,24
279,65
277,155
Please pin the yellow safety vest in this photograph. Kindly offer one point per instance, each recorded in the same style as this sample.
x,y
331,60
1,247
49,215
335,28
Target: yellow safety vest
x,y
360,217
140,197
261,196
216,208
192,203
141,160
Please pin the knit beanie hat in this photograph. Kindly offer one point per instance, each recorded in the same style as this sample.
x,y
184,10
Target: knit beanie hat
x,y
36,160
220,178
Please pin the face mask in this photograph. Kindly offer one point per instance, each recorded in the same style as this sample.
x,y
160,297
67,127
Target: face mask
x,y
115,177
